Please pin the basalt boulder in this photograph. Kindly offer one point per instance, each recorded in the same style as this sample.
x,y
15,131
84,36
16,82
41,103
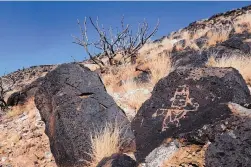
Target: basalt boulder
x,y
74,104
184,101
189,58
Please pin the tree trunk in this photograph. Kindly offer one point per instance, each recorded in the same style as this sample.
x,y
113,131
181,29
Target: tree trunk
x,y
133,59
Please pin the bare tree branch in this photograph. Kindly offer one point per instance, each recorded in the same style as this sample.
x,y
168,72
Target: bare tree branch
x,y
125,42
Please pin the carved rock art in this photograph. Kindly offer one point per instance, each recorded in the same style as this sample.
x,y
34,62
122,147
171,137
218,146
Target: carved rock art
x,y
181,104
185,101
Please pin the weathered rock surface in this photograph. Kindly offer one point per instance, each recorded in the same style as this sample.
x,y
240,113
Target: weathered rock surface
x,y
231,144
118,160
73,103
189,58
184,101
231,148
160,154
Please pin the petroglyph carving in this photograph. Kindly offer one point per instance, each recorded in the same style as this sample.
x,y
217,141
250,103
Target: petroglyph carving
x,y
181,105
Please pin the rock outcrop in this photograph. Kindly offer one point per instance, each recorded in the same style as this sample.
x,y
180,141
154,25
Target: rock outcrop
x,y
73,103
184,101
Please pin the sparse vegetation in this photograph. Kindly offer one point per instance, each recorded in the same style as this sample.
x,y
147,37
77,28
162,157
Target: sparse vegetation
x,y
216,36
159,67
241,63
243,23
19,109
121,80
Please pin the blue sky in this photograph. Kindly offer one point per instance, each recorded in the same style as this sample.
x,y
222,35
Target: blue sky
x,y
36,33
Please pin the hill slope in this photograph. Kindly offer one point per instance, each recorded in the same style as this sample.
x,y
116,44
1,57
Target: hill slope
x,y
224,40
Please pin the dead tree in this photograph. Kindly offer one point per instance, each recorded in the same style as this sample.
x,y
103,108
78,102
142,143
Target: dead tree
x,y
123,42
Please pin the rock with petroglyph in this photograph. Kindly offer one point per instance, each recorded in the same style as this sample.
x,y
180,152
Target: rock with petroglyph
x,y
186,100
73,103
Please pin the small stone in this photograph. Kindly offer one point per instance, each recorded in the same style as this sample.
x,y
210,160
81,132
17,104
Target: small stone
x,y
47,155
3,159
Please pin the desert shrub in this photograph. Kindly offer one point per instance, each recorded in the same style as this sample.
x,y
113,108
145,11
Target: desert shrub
x,y
159,67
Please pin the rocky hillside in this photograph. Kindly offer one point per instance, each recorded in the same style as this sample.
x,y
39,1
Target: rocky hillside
x,y
186,102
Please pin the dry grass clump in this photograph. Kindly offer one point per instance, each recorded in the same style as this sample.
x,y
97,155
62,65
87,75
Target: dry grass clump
x,y
19,109
199,33
215,37
105,142
241,63
134,94
114,75
186,35
160,67
150,50
122,84
243,23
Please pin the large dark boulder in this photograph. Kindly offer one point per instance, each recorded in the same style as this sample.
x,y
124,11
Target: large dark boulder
x,y
74,104
186,100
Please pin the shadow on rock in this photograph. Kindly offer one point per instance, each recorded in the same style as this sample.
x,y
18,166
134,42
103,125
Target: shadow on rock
x,y
117,160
